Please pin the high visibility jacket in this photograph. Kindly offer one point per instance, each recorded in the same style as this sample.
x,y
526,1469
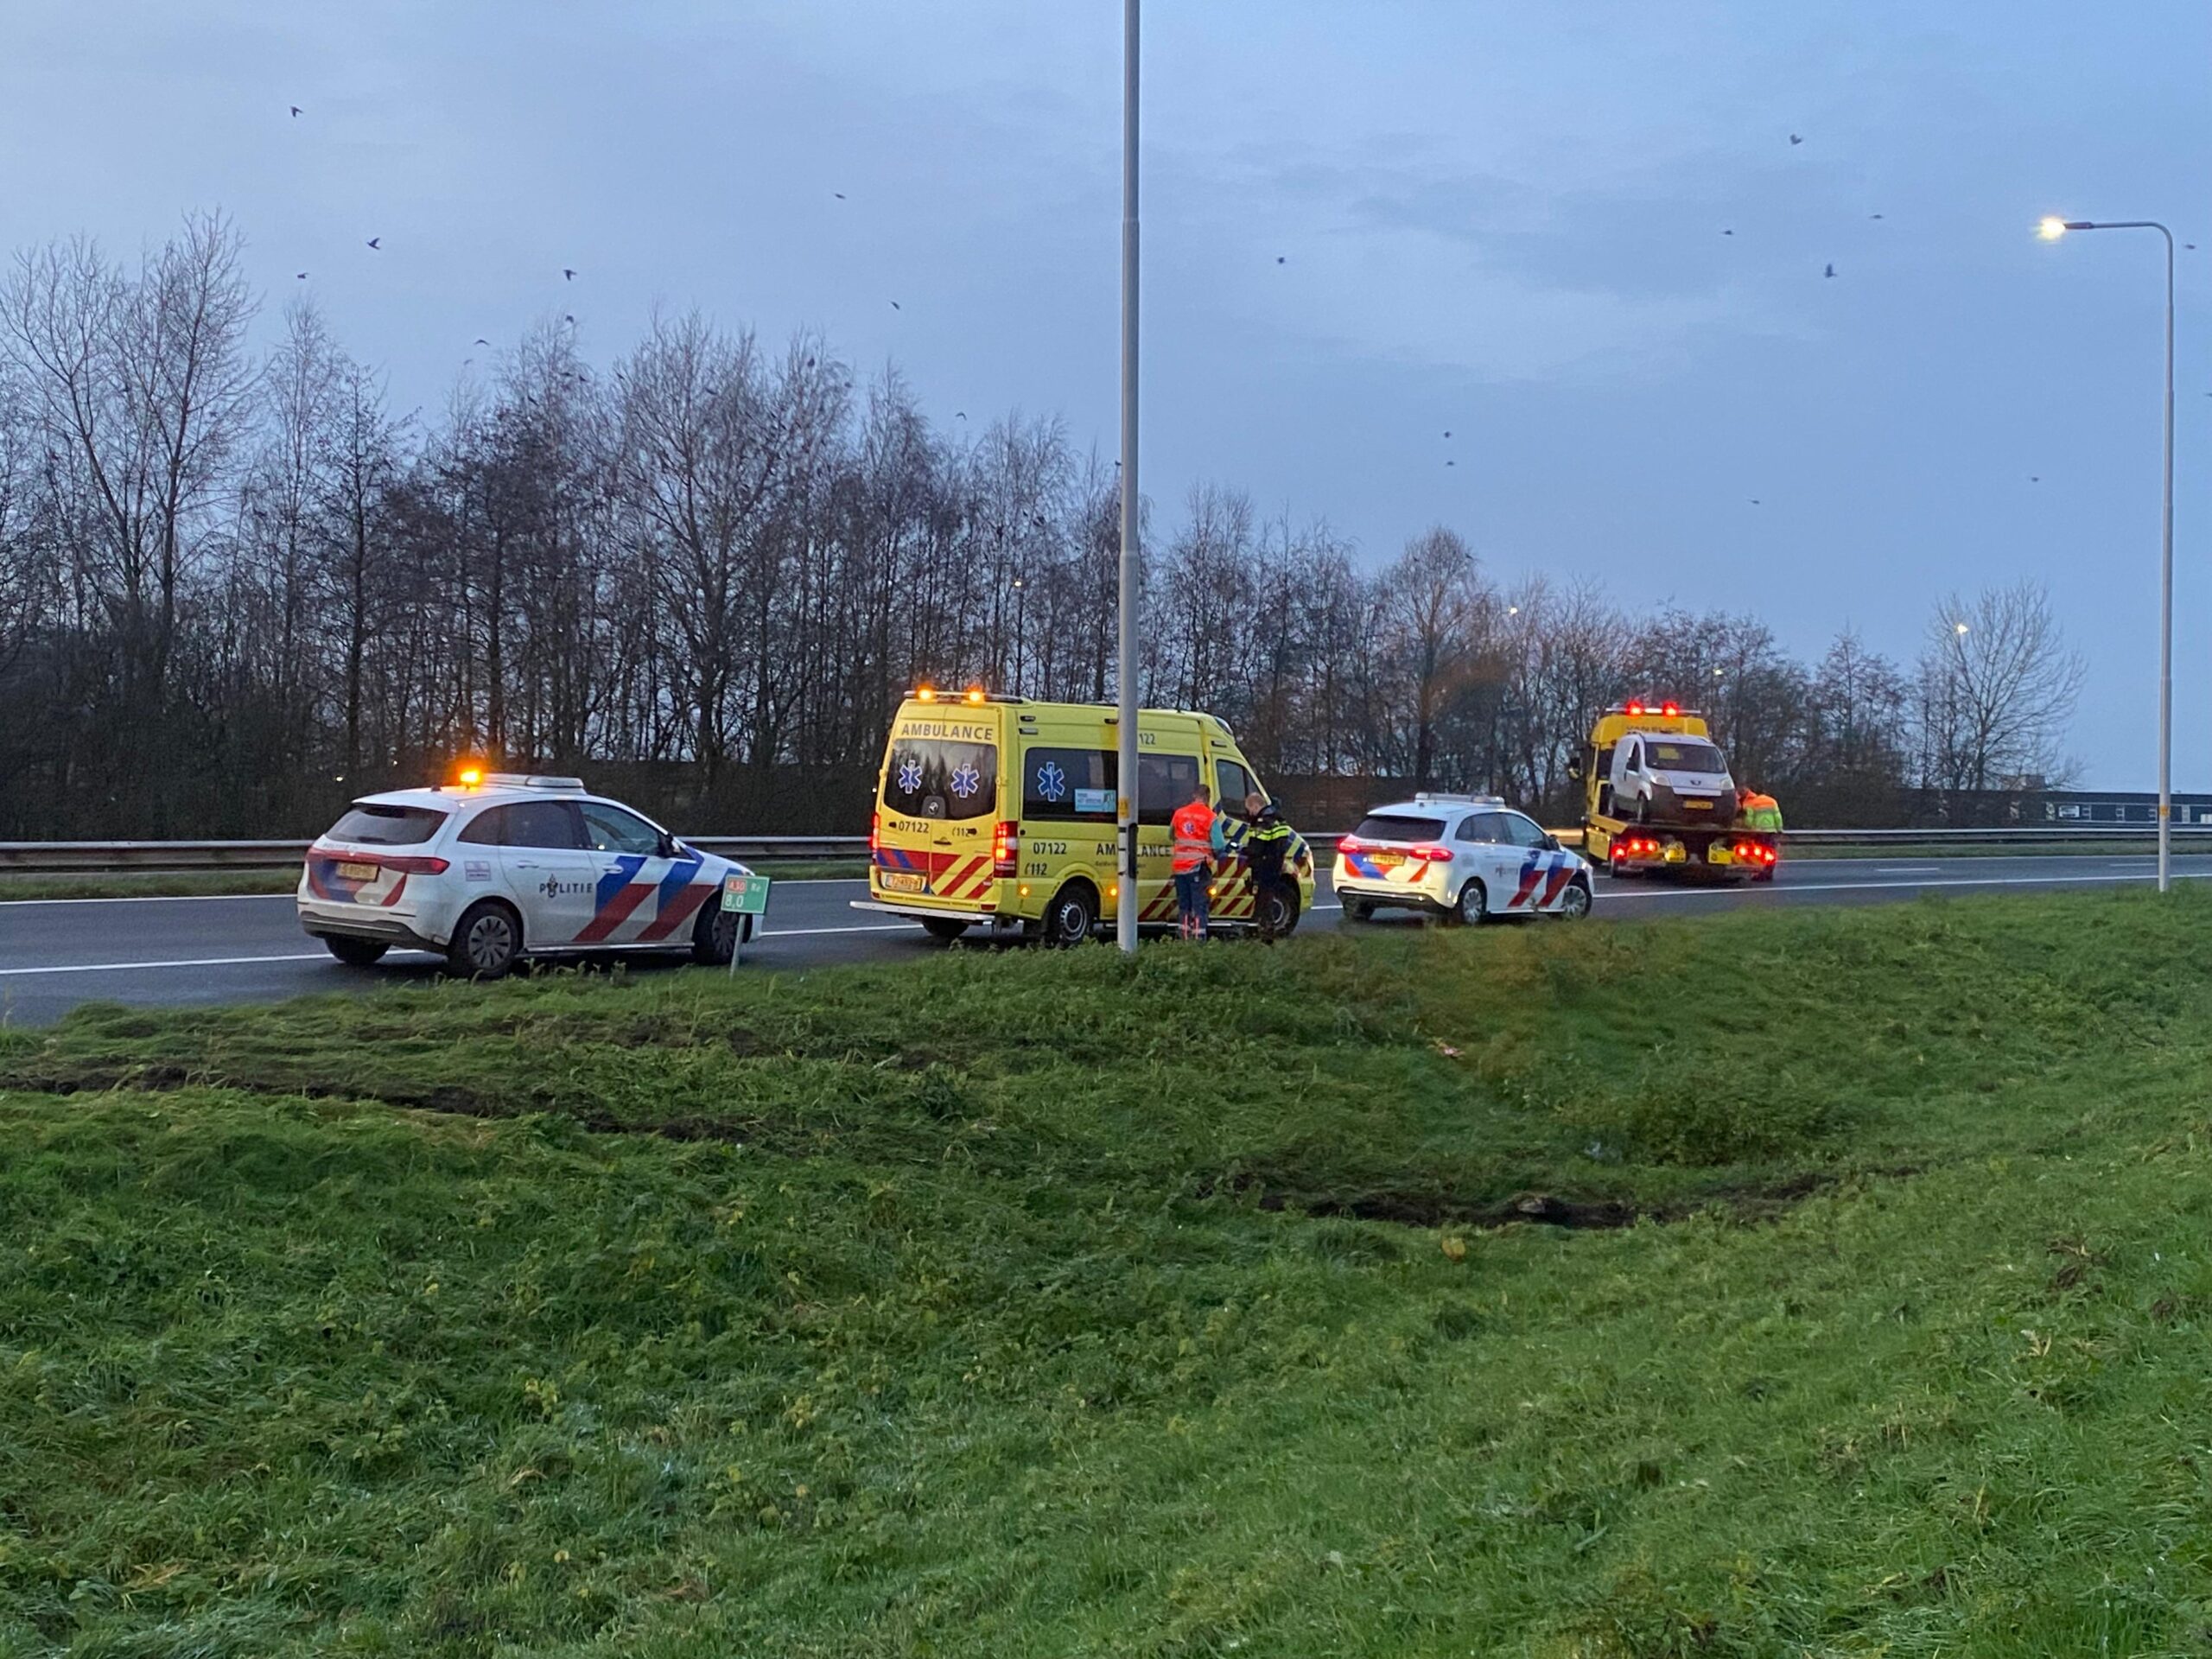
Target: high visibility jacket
x,y
1193,829
1268,848
1761,812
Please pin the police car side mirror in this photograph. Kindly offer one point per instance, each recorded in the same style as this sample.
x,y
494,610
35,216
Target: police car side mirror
x,y
669,846
1551,843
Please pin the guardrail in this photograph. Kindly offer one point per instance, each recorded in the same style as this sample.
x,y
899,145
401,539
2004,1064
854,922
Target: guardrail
x,y
97,857
101,857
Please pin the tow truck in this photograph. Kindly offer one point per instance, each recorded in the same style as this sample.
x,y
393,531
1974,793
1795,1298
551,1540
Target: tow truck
x,y
1658,796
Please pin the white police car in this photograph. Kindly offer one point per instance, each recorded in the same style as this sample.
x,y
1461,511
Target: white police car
x,y
499,867
1467,857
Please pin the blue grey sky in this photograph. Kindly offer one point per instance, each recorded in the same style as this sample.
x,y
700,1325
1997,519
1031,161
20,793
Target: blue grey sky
x,y
1502,220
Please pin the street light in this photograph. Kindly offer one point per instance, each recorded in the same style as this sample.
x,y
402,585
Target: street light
x,y
2050,230
1020,629
1125,814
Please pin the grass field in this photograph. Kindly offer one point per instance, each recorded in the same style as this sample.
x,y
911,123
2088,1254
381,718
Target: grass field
x,y
1826,1282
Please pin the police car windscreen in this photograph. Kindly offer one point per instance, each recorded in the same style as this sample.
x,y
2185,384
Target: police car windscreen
x,y
371,824
941,777
1687,757
1399,826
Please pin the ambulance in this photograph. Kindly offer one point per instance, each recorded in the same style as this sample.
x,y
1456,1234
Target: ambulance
x,y
999,814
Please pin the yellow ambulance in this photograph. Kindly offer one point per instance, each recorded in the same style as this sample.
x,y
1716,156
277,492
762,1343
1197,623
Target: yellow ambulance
x,y
999,813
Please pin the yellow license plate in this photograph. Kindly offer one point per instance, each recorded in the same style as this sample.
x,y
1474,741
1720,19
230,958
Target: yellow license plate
x,y
1388,861
358,872
1676,855
1699,806
903,881
1719,855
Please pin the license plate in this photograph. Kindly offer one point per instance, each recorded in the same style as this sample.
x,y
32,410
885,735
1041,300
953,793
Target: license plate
x,y
903,881
1718,855
359,872
1387,861
1676,855
1699,806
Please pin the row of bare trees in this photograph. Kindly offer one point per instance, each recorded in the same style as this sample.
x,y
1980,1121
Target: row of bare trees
x,y
237,588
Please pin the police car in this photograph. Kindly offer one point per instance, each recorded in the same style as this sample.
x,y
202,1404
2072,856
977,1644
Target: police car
x,y
1467,857
498,866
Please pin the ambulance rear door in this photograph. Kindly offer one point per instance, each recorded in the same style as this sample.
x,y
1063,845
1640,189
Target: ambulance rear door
x,y
940,800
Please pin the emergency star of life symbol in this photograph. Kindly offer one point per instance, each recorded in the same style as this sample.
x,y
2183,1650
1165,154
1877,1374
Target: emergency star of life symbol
x,y
1052,782
966,780
910,777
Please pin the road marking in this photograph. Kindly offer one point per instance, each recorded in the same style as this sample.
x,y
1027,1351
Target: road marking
x,y
124,966
1885,887
1908,869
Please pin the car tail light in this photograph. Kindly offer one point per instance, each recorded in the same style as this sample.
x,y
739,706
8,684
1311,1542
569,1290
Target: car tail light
x,y
415,864
1434,854
875,833
1351,844
1005,848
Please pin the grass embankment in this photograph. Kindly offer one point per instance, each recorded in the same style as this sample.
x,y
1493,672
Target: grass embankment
x,y
1026,1304
188,884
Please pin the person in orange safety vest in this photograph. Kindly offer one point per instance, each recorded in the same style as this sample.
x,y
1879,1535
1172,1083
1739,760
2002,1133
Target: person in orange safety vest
x,y
1197,837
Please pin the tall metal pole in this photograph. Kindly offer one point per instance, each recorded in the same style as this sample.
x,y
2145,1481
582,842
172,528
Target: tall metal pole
x,y
2052,230
2166,607
1125,914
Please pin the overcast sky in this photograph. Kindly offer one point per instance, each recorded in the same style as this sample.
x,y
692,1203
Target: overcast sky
x,y
1506,220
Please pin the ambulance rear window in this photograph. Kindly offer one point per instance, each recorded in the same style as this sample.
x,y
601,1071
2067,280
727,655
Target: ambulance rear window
x,y
1398,826
941,777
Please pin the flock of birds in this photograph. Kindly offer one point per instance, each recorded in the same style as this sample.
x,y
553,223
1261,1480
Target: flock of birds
x,y
567,273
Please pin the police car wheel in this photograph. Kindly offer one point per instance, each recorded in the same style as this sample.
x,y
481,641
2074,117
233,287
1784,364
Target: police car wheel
x,y
714,936
485,942
1071,918
356,953
1574,903
1473,906
944,927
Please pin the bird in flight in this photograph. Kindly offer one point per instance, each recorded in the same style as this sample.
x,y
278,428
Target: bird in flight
x,y
838,193
1795,139
567,275
377,243
295,111
1451,463
2035,477
570,318
480,340
894,305
959,414
1830,272
1280,260
1873,215
1727,232
1755,501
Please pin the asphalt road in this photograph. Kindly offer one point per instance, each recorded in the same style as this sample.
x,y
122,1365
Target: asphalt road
x,y
57,954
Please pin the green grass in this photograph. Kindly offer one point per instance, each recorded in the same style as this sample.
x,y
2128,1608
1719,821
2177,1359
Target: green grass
x,y
178,884
1021,1304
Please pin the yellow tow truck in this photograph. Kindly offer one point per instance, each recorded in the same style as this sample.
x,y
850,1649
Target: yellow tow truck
x,y
1657,795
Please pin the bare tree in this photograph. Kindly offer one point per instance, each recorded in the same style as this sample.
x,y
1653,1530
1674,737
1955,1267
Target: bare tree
x,y
1997,689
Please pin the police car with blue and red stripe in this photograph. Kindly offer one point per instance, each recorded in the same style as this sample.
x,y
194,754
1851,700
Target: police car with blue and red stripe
x,y
497,866
1465,857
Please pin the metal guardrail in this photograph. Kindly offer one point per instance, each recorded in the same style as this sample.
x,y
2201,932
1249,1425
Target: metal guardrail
x,y
99,857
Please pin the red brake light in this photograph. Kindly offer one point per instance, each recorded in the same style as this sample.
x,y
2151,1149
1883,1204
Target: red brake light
x,y
1434,854
1351,844
1005,852
414,865
875,832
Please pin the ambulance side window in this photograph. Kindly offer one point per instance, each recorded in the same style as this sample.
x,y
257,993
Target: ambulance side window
x,y
1234,783
1068,786
1164,783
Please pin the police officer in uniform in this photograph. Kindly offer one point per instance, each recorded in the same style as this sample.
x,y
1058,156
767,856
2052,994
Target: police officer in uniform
x,y
1267,854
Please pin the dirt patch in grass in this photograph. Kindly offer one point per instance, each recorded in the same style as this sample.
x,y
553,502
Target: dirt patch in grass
x,y
1750,1201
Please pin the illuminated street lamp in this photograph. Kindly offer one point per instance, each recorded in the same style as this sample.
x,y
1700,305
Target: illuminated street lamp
x,y
2050,230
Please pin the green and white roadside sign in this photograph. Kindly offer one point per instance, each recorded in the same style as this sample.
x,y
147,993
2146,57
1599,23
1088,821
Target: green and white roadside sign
x,y
746,893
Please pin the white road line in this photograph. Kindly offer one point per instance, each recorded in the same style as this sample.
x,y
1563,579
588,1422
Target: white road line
x,y
1885,887
7,904
124,966
1908,869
